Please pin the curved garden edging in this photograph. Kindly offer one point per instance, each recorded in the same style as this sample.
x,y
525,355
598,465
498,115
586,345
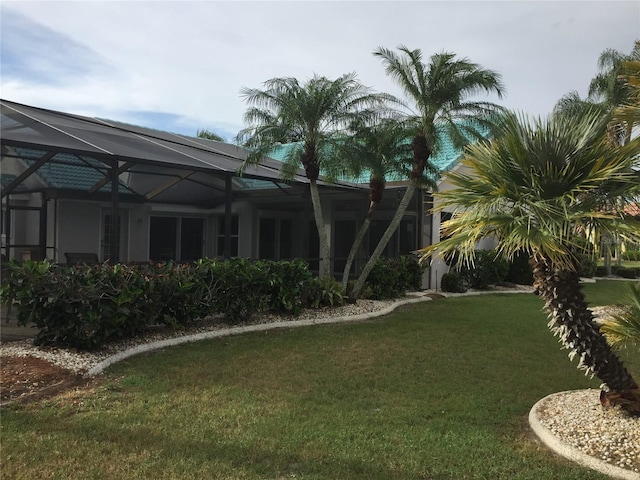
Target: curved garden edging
x,y
570,452
148,347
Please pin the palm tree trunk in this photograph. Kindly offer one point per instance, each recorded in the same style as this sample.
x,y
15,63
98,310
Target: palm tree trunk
x,y
325,260
404,203
352,254
573,322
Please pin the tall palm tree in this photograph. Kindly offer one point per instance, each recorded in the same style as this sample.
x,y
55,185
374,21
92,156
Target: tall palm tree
x,y
439,93
535,189
607,91
312,114
379,150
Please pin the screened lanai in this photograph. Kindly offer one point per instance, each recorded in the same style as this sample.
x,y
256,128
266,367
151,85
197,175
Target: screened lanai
x,y
54,155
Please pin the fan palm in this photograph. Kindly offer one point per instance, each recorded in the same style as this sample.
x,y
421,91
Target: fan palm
x,y
536,189
624,327
312,114
379,150
439,92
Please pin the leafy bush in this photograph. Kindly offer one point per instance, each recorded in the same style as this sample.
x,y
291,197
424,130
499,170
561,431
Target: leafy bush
x,y
384,280
587,266
82,306
601,271
519,270
486,270
392,277
89,305
323,292
451,283
626,272
631,255
410,273
288,282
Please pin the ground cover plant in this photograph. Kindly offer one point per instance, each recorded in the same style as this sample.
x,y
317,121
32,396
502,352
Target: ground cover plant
x,y
439,390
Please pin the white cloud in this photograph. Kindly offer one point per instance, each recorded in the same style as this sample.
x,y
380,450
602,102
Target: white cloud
x,y
190,59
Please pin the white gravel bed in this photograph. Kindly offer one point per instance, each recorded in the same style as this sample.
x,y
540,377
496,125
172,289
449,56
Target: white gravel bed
x,y
578,419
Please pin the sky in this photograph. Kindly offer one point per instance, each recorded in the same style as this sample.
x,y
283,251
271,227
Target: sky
x,y
179,66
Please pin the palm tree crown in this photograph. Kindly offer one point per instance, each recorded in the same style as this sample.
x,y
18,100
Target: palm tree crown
x,y
538,188
314,114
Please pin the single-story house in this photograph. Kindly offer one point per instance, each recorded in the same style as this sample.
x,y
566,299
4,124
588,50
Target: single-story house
x,y
79,187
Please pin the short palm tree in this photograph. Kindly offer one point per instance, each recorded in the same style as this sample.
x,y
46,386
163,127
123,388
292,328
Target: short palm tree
x,y
313,114
623,329
439,92
379,150
535,189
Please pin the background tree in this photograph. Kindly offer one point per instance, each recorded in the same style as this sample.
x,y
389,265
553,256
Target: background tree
x,y
314,113
535,189
379,150
439,94
607,91
204,133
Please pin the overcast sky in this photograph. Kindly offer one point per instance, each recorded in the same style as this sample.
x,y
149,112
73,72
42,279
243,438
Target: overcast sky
x,y
179,66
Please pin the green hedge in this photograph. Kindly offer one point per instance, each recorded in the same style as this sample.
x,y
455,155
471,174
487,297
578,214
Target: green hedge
x,y
87,306
393,277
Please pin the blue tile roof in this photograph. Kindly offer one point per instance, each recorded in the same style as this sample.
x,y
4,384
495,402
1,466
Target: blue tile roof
x,y
444,159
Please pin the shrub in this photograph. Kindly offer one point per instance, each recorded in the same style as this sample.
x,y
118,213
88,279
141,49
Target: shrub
x,y
601,271
631,255
287,283
519,270
587,265
323,292
392,277
87,306
384,279
486,270
451,283
626,272
410,273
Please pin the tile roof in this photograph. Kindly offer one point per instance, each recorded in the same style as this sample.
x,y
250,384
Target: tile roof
x,y
446,157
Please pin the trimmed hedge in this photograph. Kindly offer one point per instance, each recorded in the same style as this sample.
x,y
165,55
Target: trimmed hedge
x,y
86,306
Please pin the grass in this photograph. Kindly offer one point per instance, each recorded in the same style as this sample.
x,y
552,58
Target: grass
x,y
440,390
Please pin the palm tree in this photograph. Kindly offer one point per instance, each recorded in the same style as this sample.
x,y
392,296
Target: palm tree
x,y
209,135
536,189
624,327
379,150
607,91
439,94
312,114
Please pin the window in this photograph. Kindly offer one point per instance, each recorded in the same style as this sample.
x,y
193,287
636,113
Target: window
x,y
175,238
233,250
191,239
275,242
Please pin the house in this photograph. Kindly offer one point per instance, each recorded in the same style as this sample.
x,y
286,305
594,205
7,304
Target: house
x,y
112,191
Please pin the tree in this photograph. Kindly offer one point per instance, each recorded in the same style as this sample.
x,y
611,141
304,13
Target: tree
x,y
535,189
312,113
204,133
607,91
439,93
379,150
624,327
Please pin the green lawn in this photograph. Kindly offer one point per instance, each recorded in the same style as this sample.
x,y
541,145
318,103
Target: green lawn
x,y
440,390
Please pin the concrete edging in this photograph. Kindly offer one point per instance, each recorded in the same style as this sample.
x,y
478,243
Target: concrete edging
x,y
570,452
148,347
